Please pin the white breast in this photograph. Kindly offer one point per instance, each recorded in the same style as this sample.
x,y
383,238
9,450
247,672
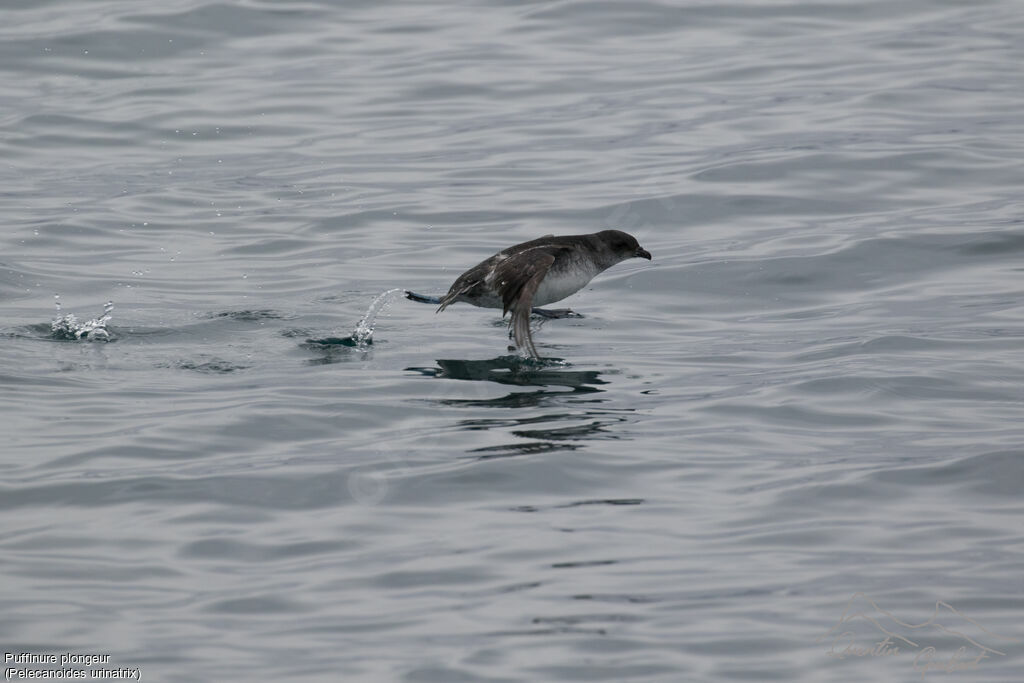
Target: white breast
x,y
556,286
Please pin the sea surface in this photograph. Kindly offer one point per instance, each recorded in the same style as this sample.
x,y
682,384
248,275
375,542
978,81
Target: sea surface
x,y
788,448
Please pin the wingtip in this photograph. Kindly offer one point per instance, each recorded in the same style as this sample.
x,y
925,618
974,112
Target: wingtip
x,y
520,324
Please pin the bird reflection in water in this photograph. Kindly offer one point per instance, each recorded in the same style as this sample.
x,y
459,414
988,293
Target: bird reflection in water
x,y
516,371
556,387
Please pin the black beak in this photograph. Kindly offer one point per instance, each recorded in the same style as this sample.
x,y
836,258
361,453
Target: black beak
x,y
642,253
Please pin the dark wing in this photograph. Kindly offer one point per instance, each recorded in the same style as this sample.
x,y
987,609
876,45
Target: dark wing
x,y
516,279
475,276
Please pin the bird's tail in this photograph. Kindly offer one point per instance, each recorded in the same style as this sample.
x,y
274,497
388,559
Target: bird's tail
x,y
453,295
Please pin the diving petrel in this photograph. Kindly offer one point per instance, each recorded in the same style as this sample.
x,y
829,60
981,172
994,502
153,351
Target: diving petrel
x,y
537,272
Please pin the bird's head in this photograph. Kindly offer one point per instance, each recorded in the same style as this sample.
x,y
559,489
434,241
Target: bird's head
x,y
623,245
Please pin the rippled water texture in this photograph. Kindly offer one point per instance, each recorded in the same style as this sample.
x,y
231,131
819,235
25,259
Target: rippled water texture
x,y
787,445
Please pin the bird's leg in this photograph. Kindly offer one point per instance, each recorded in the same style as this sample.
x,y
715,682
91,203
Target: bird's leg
x,y
422,298
555,313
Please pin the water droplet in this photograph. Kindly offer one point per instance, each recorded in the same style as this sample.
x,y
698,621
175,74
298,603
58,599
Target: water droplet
x,y
363,334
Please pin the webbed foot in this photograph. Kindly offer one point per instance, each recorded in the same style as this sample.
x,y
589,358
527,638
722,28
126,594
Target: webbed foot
x,y
556,313
422,298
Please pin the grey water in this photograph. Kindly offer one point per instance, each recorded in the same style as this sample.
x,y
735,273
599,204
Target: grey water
x,y
789,448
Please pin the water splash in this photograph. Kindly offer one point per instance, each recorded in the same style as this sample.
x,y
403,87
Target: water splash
x,y
68,326
362,336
